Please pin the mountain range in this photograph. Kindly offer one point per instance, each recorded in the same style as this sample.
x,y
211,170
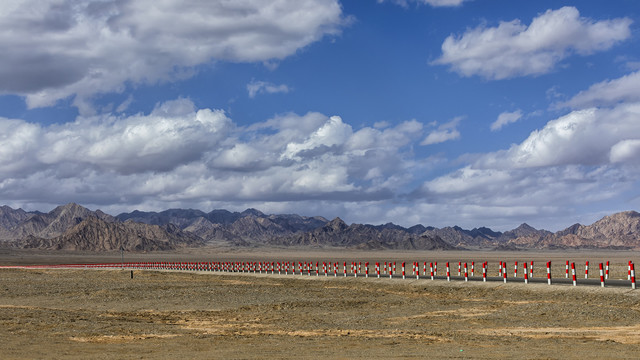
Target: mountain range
x,y
74,227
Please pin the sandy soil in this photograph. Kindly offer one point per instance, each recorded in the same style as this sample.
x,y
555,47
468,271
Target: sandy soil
x,y
106,314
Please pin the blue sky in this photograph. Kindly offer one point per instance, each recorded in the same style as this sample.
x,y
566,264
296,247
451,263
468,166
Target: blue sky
x,y
439,112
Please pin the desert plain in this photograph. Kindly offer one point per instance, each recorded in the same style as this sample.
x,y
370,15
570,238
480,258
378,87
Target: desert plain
x,y
105,314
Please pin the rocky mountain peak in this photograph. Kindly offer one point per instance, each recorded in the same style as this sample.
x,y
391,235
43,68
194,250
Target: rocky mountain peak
x,y
94,234
70,226
524,227
252,212
619,225
336,225
525,230
624,218
10,217
6,209
71,209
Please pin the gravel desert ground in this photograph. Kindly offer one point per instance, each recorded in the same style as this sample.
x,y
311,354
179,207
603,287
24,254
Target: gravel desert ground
x,y
53,313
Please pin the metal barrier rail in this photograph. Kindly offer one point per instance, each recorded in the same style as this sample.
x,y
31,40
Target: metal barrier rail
x,y
356,268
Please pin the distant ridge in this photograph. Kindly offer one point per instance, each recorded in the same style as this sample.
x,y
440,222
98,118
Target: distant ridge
x,y
94,234
617,231
52,224
74,227
337,233
10,218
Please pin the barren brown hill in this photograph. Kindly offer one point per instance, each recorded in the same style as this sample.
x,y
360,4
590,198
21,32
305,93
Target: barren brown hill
x,y
337,233
523,236
236,228
179,217
94,234
56,222
457,236
9,219
617,231
243,231
66,227
213,233
524,231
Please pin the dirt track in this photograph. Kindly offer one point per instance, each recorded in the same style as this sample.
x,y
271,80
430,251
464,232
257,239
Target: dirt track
x,y
106,314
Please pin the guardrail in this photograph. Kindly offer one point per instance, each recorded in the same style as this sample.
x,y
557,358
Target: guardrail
x,y
357,269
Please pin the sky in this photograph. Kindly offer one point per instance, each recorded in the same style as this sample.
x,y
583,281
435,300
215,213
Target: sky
x,y
435,112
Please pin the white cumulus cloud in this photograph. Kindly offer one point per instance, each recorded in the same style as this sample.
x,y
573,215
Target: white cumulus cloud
x,y
260,87
626,151
585,157
434,3
506,118
57,48
513,49
333,132
582,137
546,195
173,134
444,132
606,93
178,155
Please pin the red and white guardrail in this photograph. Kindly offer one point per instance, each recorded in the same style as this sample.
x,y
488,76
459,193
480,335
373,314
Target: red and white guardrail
x,y
289,267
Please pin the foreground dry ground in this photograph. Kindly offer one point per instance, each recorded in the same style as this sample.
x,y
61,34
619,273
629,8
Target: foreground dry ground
x,y
106,314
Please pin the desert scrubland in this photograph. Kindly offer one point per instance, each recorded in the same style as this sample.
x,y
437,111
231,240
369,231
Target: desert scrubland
x,y
54,313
